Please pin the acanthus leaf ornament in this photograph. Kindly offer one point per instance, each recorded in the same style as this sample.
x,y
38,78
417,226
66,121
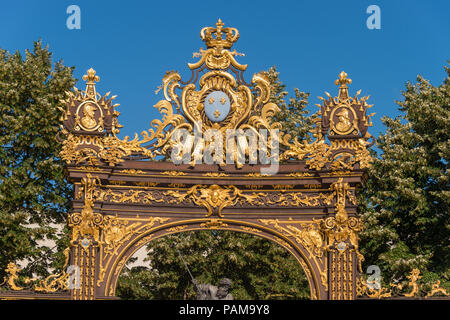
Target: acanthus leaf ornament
x,y
214,198
87,223
364,288
310,235
51,284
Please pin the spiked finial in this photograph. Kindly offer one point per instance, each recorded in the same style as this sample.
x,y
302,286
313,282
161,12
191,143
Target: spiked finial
x,y
91,79
343,80
342,83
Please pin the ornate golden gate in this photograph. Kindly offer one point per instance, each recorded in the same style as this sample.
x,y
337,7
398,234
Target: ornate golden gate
x,y
187,173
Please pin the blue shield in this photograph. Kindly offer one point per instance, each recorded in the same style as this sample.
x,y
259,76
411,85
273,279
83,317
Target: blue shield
x,y
217,106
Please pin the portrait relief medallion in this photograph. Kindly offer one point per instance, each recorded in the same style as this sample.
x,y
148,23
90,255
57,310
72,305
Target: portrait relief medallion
x,y
343,120
89,115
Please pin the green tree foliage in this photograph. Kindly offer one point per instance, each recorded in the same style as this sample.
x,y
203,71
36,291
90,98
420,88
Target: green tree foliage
x,y
33,189
406,201
293,114
258,268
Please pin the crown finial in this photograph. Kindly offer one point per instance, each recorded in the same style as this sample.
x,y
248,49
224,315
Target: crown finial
x,y
219,24
219,36
91,79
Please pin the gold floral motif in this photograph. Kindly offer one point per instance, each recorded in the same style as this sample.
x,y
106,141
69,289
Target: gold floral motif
x,y
300,174
115,233
91,79
283,186
118,182
53,283
129,196
57,282
215,174
86,224
146,184
212,197
413,277
110,149
132,171
249,229
12,277
214,224
284,199
85,168
177,228
363,289
308,235
176,185
436,288
256,174
341,228
72,153
254,186
174,173
341,173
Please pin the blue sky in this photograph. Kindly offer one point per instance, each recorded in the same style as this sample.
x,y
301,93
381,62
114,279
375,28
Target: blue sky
x,y
131,44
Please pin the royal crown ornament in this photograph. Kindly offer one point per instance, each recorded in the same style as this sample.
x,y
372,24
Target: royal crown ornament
x,y
219,36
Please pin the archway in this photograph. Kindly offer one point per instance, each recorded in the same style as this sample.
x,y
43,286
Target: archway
x,y
235,226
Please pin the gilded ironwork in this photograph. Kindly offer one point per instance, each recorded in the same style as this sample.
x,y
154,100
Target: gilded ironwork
x,y
121,201
365,289
309,235
86,224
89,127
437,289
90,122
214,224
342,230
12,271
344,122
213,198
52,283
55,282
413,277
